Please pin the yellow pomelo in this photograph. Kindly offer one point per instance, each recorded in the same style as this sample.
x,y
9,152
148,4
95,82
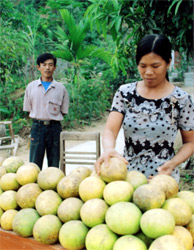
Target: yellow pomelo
x,y
166,242
9,182
127,242
136,178
188,196
8,200
12,163
7,218
116,191
1,160
2,171
116,170
1,212
91,187
82,172
27,173
190,227
184,236
179,209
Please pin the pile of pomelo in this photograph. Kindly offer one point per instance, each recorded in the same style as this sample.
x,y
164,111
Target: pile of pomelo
x,y
117,210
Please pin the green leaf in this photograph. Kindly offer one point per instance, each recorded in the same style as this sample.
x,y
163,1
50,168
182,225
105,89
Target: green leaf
x,y
68,18
64,54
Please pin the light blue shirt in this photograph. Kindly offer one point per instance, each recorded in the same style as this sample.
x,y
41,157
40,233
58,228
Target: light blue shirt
x,y
46,85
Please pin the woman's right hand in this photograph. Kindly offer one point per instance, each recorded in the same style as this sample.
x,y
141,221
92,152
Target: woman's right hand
x,y
105,158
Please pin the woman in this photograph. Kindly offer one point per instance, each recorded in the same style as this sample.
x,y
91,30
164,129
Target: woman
x,y
151,112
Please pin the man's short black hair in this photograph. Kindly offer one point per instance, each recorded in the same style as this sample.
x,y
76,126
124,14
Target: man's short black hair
x,y
43,57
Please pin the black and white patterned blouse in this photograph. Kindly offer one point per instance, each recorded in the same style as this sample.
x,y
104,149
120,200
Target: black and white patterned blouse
x,y
151,125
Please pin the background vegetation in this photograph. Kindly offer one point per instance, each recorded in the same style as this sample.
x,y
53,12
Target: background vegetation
x,y
94,41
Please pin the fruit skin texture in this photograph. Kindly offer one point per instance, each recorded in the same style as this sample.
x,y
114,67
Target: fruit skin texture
x,y
69,209
24,221
136,178
157,222
12,163
2,171
167,183
166,242
93,212
27,173
117,191
7,218
148,196
123,218
72,235
27,194
8,200
48,202
116,170
129,242
46,229
9,182
179,209
91,187
188,196
48,178
184,236
190,227
100,237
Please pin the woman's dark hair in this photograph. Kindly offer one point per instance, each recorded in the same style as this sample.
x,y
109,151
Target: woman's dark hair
x,y
158,44
43,57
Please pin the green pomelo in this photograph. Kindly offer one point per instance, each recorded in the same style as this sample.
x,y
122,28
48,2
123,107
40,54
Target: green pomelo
x,y
46,229
167,183
136,178
117,191
82,172
69,209
8,200
100,237
72,235
26,196
148,196
68,186
190,227
166,242
116,170
48,202
93,212
91,187
27,173
49,177
184,237
2,171
157,222
127,242
179,209
9,182
12,163
188,196
7,218
123,218
24,221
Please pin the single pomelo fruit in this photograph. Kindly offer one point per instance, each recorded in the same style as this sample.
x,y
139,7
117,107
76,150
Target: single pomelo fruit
x,y
157,222
167,183
93,212
48,202
82,172
188,196
116,170
12,163
190,227
127,242
72,235
166,242
7,218
123,218
49,177
136,178
100,237
69,209
184,236
9,182
148,196
147,240
27,173
46,229
8,200
117,191
2,171
27,194
68,186
24,221
91,187
179,209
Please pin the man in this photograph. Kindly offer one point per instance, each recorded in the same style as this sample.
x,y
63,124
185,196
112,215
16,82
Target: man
x,y
47,101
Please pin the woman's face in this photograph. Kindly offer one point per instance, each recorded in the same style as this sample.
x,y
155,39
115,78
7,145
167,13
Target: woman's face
x,y
152,69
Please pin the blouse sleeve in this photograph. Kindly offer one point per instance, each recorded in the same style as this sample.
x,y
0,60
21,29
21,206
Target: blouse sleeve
x,y
118,102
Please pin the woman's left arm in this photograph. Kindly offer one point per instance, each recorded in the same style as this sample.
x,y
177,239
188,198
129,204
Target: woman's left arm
x,y
182,155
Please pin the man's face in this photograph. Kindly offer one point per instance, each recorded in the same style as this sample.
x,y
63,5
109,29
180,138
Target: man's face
x,y
47,69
